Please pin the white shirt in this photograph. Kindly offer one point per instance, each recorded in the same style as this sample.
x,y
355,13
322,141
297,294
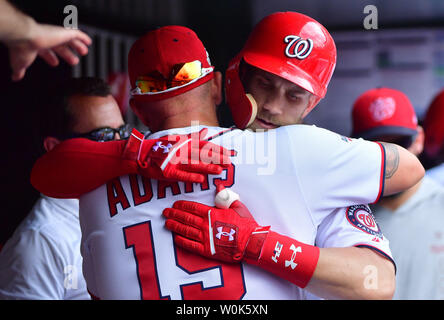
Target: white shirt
x,y
437,173
293,178
416,233
42,261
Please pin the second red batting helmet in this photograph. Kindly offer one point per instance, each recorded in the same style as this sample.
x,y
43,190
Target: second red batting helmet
x,y
433,126
290,45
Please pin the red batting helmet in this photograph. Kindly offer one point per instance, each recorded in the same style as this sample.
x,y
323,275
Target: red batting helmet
x,y
290,45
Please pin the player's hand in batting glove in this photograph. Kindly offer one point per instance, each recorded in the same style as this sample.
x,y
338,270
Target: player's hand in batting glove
x,y
229,233
185,158
219,233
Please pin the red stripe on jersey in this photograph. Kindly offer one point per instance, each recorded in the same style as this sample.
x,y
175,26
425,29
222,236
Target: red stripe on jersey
x,y
219,134
382,174
377,250
93,297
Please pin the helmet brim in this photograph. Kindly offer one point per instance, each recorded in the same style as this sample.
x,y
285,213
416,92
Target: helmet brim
x,y
284,70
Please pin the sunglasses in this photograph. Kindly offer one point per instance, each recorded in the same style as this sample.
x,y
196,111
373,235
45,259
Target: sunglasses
x,y
105,134
181,75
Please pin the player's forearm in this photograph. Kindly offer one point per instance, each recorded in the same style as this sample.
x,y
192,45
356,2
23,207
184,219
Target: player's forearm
x,y
14,25
402,169
352,273
331,273
78,166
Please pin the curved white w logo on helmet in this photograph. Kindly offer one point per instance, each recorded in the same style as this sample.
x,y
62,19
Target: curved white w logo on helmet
x,y
298,47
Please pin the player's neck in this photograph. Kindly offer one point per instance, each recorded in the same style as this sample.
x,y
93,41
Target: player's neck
x,y
185,120
395,201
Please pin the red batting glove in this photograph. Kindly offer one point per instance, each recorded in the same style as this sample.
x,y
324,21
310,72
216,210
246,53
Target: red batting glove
x,y
230,233
185,158
222,234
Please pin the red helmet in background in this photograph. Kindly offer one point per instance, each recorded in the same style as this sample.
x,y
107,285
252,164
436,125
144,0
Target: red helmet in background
x,y
290,45
433,127
383,111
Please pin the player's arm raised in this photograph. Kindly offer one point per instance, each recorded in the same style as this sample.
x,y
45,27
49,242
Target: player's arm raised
x,y
402,169
77,166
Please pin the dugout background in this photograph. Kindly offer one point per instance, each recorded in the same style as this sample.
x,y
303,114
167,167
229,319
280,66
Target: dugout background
x,y
406,53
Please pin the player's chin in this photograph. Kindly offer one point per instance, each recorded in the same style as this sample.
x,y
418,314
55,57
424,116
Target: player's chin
x,y
262,125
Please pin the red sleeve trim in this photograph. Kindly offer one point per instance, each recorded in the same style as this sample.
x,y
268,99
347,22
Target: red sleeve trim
x,y
93,297
382,174
220,134
385,255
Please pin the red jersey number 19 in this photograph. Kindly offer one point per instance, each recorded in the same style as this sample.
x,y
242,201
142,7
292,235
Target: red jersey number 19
x,y
139,238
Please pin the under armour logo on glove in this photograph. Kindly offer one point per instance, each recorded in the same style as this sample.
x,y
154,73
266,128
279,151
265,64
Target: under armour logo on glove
x,y
166,148
221,233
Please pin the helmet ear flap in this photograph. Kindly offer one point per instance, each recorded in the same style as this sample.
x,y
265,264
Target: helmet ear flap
x,y
242,105
253,104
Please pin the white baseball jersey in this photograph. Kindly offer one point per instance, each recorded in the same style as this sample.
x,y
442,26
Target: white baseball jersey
x,y
293,178
42,261
437,173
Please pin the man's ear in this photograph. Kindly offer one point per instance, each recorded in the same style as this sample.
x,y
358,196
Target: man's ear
x,y
216,88
50,142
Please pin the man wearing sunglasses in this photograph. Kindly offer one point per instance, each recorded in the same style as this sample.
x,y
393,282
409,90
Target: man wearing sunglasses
x,y
413,219
105,133
160,268
42,260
